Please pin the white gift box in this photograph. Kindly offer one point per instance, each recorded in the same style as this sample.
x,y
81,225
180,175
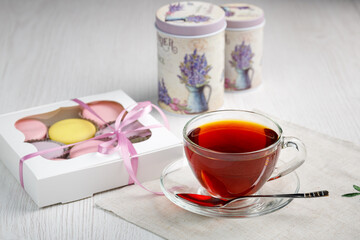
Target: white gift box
x,y
50,182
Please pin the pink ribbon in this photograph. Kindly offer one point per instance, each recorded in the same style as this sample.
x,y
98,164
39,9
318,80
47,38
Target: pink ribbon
x,y
118,141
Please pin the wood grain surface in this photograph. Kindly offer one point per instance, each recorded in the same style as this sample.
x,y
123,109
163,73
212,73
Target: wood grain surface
x,y
61,49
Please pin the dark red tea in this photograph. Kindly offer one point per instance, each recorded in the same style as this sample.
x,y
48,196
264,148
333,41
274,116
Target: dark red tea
x,y
223,171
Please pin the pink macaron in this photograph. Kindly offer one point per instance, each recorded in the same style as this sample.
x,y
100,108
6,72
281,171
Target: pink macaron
x,y
45,145
84,148
107,110
32,129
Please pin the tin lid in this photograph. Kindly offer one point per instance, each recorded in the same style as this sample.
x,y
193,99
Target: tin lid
x,y
190,18
243,15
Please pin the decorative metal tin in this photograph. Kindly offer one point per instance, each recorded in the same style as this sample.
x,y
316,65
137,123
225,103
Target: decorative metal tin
x,y
191,44
243,46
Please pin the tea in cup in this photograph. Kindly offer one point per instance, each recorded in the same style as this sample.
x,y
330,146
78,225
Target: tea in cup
x,y
234,153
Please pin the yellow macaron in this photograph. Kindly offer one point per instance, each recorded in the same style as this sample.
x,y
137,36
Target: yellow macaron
x,y
72,130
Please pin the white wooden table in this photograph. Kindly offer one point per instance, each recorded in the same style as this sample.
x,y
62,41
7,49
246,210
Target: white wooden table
x,y
60,49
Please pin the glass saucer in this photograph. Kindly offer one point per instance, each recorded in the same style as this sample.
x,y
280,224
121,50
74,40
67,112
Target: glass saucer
x,y
178,178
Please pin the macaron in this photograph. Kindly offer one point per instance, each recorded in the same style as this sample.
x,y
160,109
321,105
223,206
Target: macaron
x,y
43,145
84,148
32,129
72,130
107,110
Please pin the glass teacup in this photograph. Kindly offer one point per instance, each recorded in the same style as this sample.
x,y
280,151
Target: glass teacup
x,y
234,153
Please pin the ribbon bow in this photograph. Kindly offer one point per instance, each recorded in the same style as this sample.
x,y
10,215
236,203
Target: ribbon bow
x,y
118,141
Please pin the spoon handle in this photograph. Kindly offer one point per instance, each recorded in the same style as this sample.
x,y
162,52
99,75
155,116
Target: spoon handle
x,y
322,193
208,201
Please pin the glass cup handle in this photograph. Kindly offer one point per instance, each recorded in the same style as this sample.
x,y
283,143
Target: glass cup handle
x,y
293,164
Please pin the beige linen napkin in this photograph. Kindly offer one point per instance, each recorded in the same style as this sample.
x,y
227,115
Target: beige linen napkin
x,y
331,164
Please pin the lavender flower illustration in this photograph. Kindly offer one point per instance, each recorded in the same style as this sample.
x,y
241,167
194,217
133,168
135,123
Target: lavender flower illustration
x,y
174,103
163,93
242,62
194,74
241,56
228,13
178,7
244,7
194,70
191,18
196,18
174,8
